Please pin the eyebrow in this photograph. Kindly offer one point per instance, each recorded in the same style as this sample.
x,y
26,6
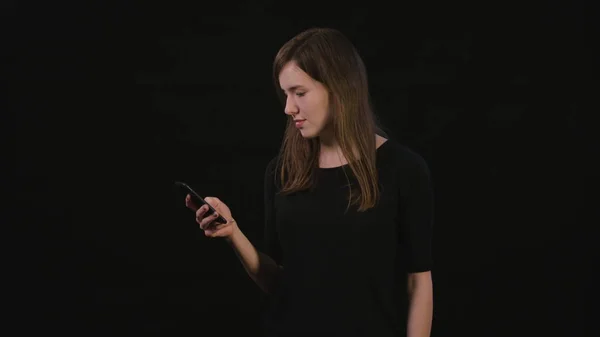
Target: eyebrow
x,y
294,87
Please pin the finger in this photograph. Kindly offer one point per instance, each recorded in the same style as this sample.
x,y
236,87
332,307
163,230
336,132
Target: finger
x,y
217,231
216,226
200,212
213,231
206,222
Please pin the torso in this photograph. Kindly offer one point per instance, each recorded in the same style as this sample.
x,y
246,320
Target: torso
x,y
344,270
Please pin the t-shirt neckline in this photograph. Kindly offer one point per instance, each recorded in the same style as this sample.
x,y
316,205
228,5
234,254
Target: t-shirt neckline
x,y
345,165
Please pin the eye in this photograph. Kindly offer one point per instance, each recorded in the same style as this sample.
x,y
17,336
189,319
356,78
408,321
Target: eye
x,y
300,94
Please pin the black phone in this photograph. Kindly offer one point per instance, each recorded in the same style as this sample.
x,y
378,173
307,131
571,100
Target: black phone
x,y
199,201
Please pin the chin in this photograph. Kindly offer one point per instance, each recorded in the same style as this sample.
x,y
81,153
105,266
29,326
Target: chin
x,y
308,135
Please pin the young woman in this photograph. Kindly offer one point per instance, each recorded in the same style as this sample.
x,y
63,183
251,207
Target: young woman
x,y
348,211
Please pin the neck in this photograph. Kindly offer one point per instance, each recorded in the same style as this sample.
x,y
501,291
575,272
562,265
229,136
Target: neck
x,y
328,143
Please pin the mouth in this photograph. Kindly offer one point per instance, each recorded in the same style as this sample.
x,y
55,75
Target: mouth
x,y
299,122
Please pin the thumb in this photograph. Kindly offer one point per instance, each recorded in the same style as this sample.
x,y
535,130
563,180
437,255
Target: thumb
x,y
213,201
190,204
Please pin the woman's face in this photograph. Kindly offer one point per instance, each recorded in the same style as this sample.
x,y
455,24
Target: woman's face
x,y
306,100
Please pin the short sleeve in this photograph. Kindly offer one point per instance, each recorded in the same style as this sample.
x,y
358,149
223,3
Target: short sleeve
x,y
416,212
271,245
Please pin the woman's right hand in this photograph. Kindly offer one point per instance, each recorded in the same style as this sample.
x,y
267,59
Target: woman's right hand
x,y
211,227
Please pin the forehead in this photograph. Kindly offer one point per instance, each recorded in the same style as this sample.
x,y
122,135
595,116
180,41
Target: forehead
x,y
292,76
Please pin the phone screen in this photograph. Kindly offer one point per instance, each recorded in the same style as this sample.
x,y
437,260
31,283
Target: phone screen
x,y
198,200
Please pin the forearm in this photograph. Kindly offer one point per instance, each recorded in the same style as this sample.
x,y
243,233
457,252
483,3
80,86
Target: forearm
x,y
259,266
420,311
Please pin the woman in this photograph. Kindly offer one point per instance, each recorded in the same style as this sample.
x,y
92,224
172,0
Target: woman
x,y
348,211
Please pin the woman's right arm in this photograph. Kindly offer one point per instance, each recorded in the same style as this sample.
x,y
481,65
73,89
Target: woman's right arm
x,y
261,268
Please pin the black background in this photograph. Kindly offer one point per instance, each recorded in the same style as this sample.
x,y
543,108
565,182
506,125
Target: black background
x,y
115,101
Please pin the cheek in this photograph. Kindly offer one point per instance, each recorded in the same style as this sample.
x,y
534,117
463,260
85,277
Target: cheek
x,y
319,109
323,108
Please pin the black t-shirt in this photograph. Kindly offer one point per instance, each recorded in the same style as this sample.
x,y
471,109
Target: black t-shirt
x,y
344,274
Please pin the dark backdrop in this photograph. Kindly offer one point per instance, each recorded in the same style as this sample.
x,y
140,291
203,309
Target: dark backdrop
x,y
115,101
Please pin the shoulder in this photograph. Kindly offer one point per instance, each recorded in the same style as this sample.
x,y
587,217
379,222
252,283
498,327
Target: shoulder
x,y
405,158
411,171
271,172
271,167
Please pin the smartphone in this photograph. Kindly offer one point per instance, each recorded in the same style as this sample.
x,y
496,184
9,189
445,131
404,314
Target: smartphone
x,y
199,201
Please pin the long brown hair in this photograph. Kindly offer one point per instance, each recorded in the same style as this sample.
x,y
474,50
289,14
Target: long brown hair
x,y
329,57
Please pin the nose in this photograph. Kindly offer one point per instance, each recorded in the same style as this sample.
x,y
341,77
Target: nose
x,y
290,106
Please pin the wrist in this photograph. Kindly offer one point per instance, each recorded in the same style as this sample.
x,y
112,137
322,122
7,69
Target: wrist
x,y
235,233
